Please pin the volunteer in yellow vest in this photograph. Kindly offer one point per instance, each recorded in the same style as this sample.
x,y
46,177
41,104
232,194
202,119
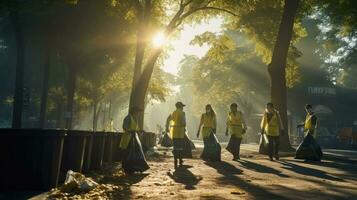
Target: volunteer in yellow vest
x,y
133,159
208,124
272,126
236,127
130,127
309,149
310,121
176,125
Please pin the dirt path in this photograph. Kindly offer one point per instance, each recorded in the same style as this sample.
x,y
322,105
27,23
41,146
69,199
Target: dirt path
x,y
254,177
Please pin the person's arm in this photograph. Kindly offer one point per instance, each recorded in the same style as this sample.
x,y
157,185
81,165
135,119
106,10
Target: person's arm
x,y
126,123
184,119
243,122
263,123
199,126
168,119
227,124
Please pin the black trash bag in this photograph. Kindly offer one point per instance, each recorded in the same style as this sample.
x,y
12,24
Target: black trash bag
x,y
309,149
187,147
135,159
166,141
192,145
211,149
264,144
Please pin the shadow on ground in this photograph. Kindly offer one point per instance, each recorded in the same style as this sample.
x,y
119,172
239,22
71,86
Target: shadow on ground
x,y
124,182
231,176
184,176
224,168
308,171
261,168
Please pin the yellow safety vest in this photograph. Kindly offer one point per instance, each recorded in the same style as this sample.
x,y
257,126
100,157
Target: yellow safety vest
x,y
209,123
272,127
177,124
235,124
126,136
309,126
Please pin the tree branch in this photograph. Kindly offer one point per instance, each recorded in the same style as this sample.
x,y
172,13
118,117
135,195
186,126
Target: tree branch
x,y
181,3
187,14
186,4
212,8
173,21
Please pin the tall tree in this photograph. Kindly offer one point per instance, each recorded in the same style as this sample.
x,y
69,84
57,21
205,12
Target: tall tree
x,y
45,81
185,10
19,82
277,67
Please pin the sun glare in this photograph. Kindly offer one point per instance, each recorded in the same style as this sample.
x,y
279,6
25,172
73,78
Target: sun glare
x,y
159,39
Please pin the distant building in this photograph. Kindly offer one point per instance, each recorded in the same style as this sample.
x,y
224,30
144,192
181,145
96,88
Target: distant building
x,y
335,107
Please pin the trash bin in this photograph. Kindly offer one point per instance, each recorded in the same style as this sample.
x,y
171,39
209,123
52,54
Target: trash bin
x,y
98,142
73,152
117,155
148,140
88,153
108,148
31,158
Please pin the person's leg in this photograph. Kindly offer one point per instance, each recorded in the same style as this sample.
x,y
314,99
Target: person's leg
x,y
231,146
276,143
271,147
175,161
175,152
239,141
234,147
128,169
180,150
204,152
181,160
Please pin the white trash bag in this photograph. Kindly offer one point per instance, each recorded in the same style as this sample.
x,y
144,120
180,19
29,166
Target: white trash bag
x,y
75,180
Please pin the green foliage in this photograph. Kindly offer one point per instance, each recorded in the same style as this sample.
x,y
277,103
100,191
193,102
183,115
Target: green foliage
x,y
229,72
337,21
260,21
347,77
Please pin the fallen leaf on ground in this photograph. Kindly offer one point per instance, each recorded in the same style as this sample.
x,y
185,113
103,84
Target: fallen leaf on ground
x,y
238,192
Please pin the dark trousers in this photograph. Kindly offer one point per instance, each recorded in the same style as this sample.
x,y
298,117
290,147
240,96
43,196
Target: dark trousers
x,y
234,146
239,141
178,149
273,145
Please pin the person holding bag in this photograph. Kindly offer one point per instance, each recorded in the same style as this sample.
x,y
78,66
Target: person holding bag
x,y
208,123
272,126
176,125
236,127
133,155
309,149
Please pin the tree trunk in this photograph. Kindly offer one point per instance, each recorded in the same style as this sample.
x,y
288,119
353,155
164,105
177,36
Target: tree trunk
x,y
141,88
141,44
44,95
19,80
278,65
70,95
